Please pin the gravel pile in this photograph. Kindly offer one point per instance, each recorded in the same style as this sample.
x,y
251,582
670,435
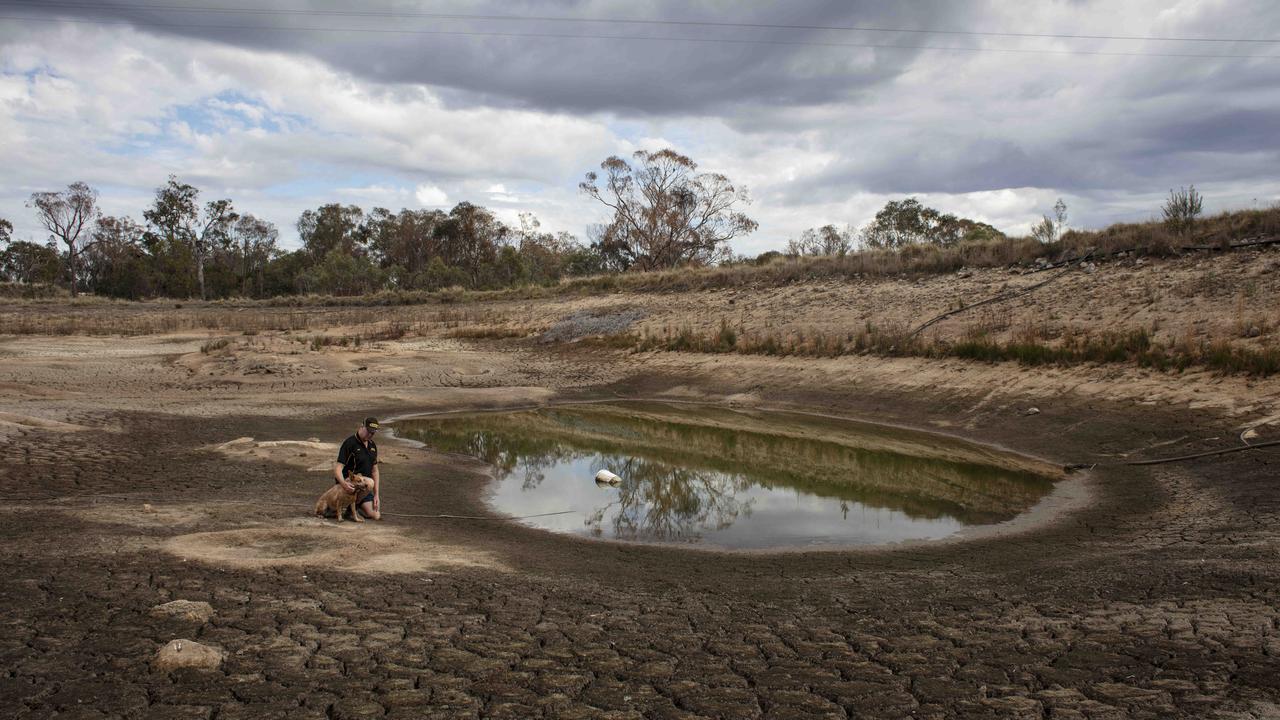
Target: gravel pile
x,y
592,322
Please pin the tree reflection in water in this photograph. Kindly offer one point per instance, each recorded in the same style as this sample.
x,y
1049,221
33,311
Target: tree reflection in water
x,y
509,453
655,501
660,502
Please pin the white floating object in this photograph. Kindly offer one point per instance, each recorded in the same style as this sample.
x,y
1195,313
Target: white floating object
x,y
604,476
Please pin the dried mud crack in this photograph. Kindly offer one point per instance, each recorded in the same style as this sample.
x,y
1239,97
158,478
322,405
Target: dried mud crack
x,y
1157,599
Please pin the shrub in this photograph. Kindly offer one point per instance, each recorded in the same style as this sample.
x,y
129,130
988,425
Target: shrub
x,y
1181,209
215,345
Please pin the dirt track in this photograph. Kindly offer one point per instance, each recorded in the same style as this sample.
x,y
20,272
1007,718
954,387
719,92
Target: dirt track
x,y
1158,599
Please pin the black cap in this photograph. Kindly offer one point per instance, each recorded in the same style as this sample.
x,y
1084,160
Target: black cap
x,y
371,423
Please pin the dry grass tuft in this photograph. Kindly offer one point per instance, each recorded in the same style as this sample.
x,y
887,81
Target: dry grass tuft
x,y
32,291
1026,347
489,332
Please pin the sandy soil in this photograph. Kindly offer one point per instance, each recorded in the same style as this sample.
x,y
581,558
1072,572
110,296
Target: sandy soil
x,y
1186,300
144,470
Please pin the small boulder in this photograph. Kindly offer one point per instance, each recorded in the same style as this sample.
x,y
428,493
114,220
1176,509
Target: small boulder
x,y
187,654
194,610
1031,411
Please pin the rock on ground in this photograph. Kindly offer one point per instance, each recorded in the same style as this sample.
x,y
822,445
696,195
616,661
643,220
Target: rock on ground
x,y
197,611
187,654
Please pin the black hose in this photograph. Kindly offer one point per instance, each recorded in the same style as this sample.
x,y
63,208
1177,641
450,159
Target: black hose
x,y
1179,458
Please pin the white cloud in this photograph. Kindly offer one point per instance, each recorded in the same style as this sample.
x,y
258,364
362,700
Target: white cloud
x,y
374,193
430,196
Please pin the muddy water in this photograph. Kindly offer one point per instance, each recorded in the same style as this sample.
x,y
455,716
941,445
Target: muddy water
x,y
733,479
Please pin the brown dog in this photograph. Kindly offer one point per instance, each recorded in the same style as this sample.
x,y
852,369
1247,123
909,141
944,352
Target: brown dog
x,y
338,500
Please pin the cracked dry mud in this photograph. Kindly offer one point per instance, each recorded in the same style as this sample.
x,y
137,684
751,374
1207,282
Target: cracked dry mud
x,y
1159,598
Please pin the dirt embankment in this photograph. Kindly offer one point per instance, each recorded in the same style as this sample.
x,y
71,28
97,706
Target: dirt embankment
x,y
1207,296
1191,302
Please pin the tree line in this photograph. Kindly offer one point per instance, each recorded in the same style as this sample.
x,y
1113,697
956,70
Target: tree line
x,y
908,222
187,247
664,213
899,224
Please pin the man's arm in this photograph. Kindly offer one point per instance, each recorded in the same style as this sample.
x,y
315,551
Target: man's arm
x,y
377,485
337,475
344,454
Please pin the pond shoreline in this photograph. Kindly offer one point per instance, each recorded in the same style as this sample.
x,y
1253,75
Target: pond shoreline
x,y
736,427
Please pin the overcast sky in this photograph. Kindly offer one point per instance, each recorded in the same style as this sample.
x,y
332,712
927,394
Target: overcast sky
x,y
296,104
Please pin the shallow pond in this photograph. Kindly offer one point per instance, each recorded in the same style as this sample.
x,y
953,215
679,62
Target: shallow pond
x,y
734,479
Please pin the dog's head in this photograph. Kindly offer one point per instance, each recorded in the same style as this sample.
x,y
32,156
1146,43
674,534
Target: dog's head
x,y
362,484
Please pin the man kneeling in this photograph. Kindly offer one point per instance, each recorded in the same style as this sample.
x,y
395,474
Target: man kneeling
x,y
359,456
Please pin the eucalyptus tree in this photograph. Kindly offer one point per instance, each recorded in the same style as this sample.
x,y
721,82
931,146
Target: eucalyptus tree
x,y
405,243
176,217
546,256
333,227
471,238
118,265
27,262
256,240
665,213
908,222
826,240
67,214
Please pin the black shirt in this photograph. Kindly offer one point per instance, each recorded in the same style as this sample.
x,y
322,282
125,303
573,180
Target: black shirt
x,y
357,458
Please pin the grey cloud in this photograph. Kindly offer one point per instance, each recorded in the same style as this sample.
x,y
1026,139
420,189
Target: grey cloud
x,y
1214,123
993,165
1225,130
620,76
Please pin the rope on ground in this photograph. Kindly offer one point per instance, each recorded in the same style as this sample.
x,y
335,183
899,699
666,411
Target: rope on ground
x,y
433,517
1003,296
444,516
481,517
1179,458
